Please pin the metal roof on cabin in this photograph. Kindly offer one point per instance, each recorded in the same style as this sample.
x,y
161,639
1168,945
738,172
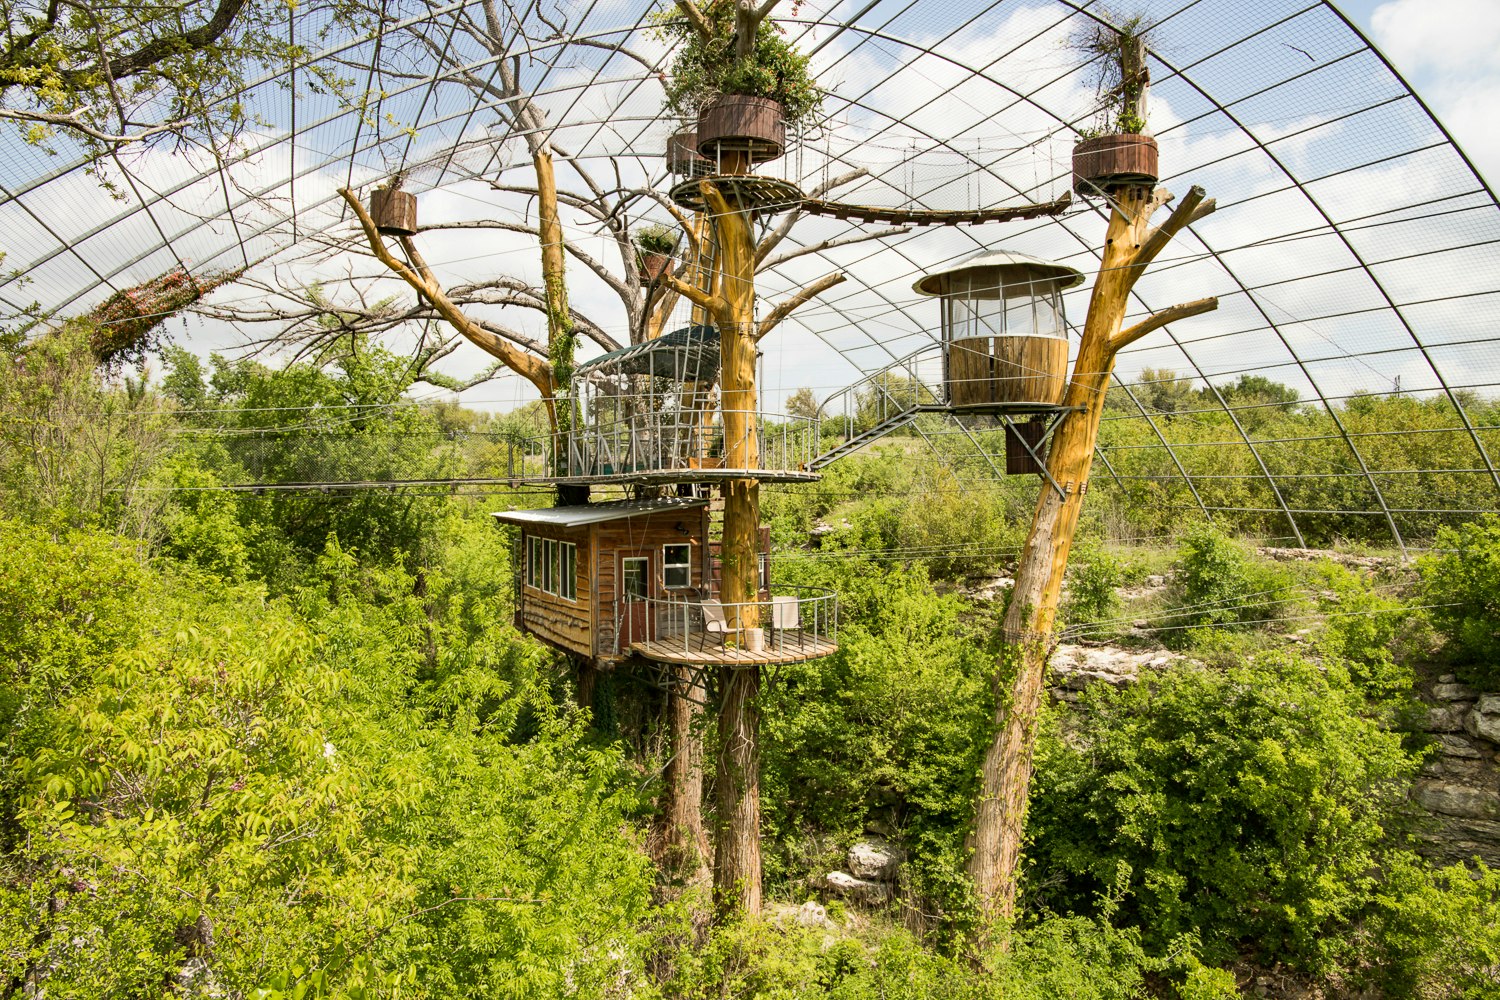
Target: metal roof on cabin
x,y
597,513
683,354
934,283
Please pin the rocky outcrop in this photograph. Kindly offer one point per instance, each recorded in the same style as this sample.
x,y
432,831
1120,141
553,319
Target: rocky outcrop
x,y
1074,668
874,865
1460,783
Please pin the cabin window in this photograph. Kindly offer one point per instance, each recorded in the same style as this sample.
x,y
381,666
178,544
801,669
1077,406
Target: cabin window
x,y
677,565
552,567
533,562
568,581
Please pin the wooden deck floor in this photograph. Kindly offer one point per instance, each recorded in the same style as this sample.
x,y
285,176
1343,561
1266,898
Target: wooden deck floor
x,y
702,649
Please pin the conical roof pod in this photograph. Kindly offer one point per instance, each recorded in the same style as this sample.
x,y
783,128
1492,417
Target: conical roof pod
x,y
1013,265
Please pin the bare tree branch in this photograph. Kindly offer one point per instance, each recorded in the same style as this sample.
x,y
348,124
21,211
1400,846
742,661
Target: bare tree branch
x,y
785,308
841,241
1190,209
1157,320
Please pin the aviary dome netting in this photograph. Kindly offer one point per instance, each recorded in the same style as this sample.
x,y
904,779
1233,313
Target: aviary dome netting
x,y
1347,384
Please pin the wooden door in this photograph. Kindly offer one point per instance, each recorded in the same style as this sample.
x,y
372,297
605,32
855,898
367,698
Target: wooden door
x,y
635,587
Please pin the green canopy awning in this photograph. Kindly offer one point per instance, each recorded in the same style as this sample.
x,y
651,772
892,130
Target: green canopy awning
x,y
687,355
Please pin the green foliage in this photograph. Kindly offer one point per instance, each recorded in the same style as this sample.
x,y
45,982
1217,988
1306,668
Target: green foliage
x,y
888,730
1462,581
1057,957
1219,584
705,68
72,449
1247,807
153,71
656,238
1094,577
1434,932
322,796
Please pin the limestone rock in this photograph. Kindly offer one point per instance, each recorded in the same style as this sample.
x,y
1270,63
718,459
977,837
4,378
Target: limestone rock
x,y
1453,799
1457,746
1446,718
857,890
875,860
1453,692
1482,724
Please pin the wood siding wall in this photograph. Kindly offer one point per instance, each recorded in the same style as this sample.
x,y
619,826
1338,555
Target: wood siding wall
x,y
642,536
564,623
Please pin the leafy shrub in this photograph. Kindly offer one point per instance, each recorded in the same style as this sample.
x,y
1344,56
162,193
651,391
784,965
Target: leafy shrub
x,y
1435,932
1219,584
1463,584
1246,806
1093,580
888,729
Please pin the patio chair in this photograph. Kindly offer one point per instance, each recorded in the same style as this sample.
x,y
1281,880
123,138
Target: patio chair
x,y
714,622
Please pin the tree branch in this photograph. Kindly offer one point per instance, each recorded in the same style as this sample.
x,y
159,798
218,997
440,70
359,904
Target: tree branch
x,y
1157,320
692,293
419,277
787,306
695,18
1190,209
157,49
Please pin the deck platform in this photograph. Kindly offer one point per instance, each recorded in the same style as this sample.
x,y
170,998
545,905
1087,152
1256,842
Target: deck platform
x,y
704,649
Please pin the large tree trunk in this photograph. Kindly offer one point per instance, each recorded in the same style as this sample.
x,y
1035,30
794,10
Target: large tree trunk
x,y
561,341
1000,813
684,843
737,862
737,795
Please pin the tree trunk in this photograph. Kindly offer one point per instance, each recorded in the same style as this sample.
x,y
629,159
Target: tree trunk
x,y
684,842
737,795
561,341
1000,815
737,862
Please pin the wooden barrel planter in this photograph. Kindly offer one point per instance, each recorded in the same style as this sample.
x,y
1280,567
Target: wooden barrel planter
x,y
682,155
1109,163
653,264
394,212
736,132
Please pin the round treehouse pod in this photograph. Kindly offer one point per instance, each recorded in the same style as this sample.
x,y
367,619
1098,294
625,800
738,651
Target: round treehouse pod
x,y
1107,163
682,155
735,132
1005,339
394,212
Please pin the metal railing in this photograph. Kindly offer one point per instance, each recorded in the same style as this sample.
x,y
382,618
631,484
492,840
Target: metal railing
x,y
894,391
667,441
801,622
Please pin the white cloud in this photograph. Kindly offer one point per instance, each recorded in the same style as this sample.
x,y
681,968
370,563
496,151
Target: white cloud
x,y
1447,50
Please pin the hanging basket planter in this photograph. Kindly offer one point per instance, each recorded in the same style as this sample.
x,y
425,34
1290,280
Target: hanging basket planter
x,y
653,264
1109,163
736,132
682,155
394,212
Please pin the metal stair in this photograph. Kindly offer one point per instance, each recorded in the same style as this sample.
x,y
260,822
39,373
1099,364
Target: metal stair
x,y
881,402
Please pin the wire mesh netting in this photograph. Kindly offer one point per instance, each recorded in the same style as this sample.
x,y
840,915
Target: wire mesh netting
x,y
1345,386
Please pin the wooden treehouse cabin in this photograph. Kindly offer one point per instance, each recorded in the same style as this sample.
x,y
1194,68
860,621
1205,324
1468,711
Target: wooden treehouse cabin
x,y
606,581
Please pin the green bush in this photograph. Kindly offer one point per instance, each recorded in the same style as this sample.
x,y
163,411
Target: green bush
x,y
1093,597
1435,932
1462,583
1246,807
1219,584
